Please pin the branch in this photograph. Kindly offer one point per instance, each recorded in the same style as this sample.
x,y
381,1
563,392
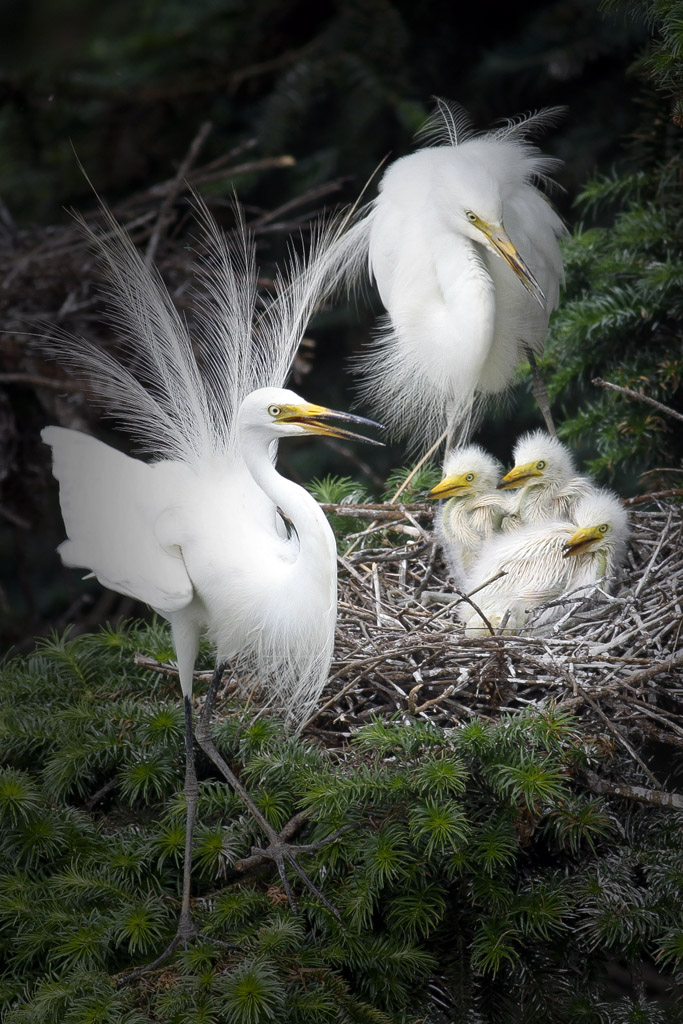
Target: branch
x,y
654,670
639,793
641,398
174,188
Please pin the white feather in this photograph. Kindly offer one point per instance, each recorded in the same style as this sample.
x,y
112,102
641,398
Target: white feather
x,y
471,517
457,316
197,533
556,491
536,569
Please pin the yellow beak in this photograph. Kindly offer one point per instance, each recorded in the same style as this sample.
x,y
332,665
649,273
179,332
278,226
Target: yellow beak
x,y
449,486
503,245
518,476
582,540
311,417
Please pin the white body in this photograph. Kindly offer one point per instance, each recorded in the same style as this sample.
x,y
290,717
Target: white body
x,y
206,547
555,492
536,572
538,569
474,512
457,316
531,505
463,525
196,533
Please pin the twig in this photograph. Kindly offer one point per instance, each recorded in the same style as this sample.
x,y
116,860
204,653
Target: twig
x,y
651,796
41,382
638,499
653,559
418,466
654,670
174,188
540,392
641,398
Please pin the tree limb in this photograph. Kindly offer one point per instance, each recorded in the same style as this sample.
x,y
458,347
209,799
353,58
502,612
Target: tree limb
x,y
636,394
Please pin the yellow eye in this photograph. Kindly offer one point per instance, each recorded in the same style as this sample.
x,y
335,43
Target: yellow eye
x,y
472,217
604,528
469,478
274,410
540,465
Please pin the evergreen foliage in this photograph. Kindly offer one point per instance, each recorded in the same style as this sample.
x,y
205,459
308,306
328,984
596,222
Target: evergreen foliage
x,y
621,318
472,854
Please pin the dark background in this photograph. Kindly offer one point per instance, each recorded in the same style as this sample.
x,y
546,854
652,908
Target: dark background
x,y
125,88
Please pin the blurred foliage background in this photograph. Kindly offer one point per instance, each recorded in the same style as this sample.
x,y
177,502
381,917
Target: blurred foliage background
x,y
294,106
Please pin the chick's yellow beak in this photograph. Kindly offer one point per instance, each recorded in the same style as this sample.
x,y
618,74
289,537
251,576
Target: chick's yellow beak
x,y
519,475
450,486
503,245
582,540
311,418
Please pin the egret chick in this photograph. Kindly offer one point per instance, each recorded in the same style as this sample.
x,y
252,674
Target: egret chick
x,y
463,246
545,560
546,481
474,509
201,532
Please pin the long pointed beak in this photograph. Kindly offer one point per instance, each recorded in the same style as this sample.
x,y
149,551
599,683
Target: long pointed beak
x,y
449,486
582,540
504,246
312,417
518,476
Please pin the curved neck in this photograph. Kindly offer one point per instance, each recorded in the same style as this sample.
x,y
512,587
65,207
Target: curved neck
x,y
315,535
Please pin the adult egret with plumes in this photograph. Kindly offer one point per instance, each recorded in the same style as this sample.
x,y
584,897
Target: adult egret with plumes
x,y
463,246
544,561
208,533
474,509
545,477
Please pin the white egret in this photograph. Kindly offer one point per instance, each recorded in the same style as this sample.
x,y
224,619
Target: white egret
x,y
463,247
474,509
200,533
545,477
545,560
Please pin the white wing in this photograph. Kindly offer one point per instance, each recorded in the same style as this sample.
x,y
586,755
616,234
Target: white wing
x,y
120,519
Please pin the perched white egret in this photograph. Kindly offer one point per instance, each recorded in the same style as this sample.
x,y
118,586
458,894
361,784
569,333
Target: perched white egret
x,y
474,509
545,560
209,533
546,481
463,247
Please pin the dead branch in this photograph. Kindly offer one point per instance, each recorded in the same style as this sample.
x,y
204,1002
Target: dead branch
x,y
650,796
640,398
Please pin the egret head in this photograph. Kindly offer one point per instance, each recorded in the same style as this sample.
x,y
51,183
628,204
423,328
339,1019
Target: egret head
x,y
539,461
476,199
278,412
468,471
602,525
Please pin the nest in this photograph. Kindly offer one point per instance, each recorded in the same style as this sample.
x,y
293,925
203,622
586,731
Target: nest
x,y
613,659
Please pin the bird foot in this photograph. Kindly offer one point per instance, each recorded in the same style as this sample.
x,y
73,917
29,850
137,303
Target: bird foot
x,y
280,852
186,934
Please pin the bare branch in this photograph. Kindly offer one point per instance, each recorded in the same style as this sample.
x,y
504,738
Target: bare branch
x,y
640,398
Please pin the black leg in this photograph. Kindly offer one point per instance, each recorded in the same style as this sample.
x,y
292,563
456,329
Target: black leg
x,y
278,849
540,392
186,929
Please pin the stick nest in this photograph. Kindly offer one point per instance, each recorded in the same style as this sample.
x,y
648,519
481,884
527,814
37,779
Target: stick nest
x,y
615,657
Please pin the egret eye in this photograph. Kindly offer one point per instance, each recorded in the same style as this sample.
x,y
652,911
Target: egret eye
x,y
540,465
274,410
604,528
472,217
469,478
